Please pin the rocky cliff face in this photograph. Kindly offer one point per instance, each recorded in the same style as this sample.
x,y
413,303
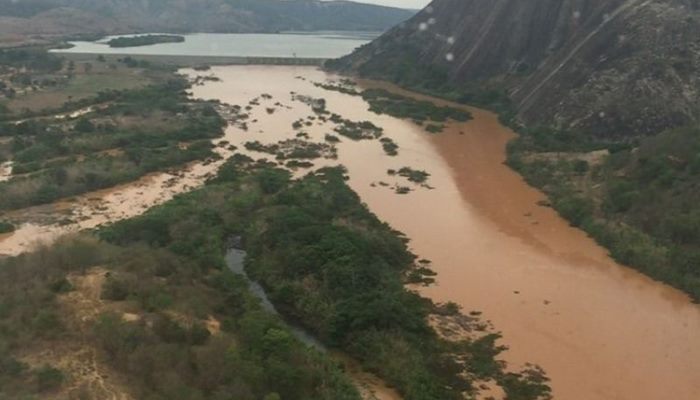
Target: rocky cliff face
x,y
610,68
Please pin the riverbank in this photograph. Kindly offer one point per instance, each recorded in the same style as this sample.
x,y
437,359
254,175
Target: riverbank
x,y
281,219
83,146
631,192
549,288
635,198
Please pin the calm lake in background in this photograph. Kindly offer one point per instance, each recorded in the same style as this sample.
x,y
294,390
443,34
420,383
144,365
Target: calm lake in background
x,y
292,44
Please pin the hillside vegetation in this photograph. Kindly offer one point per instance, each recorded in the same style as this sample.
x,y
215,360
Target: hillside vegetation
x,y
640,201
65,17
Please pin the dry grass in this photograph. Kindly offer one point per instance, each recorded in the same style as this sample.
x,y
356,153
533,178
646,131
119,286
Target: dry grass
x,y
83,85
75,355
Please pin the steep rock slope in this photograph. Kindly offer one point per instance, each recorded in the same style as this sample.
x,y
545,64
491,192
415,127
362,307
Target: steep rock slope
x,y
610,68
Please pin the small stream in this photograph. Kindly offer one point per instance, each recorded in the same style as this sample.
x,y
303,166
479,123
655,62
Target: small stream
x,y
369,386
235,260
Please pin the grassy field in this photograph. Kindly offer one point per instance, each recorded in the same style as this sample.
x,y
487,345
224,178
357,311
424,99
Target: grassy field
x,y
88,79
135,119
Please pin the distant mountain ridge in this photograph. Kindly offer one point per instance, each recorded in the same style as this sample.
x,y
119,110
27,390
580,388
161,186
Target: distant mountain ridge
x,y
610,68
52,17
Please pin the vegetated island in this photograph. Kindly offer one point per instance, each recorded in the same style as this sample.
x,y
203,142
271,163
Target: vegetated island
x,y
382,101
144,40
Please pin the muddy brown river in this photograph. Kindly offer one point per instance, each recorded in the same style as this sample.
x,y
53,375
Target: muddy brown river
x,y
600,330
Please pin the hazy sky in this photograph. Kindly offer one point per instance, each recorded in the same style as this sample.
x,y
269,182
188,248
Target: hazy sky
x,y
399,3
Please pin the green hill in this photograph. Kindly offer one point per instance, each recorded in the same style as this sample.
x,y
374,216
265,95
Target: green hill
x,y
50,17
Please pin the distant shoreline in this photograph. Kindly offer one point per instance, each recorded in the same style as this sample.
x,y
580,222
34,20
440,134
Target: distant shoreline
x,y
191,61
237,48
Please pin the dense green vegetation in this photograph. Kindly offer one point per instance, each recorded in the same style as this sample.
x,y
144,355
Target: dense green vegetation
x,y
31,59
357,301
168,352
332,138
413,175
384,102
363,130
293,149
401,64
345,86
144,40
390,147
329,265
135,132
434,128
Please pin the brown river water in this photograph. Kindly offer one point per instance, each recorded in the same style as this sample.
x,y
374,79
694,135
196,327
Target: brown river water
x,y
600,330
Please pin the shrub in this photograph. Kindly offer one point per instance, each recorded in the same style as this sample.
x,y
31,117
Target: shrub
x,y
48,378
199,334
273,180
621,196
115,289
434,128
581,167
46,323
61,285
6,227
575,209
9,366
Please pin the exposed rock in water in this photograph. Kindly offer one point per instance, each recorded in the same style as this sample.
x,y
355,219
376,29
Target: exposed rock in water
x,y
610,68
